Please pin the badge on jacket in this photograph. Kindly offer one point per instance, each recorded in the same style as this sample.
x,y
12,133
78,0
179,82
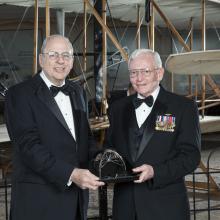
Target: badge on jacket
x,y
165,123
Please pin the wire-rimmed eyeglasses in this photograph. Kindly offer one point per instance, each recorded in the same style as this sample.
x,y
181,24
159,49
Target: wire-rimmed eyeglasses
x,y
53,55
144,72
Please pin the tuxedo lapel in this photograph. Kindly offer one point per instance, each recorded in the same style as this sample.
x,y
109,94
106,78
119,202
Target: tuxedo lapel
x,y
158,108
78,106
132,126
76,114
45,96
129,120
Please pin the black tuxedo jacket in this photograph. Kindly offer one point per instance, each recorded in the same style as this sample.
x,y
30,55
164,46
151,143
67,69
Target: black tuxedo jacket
x,y
172,151
45,152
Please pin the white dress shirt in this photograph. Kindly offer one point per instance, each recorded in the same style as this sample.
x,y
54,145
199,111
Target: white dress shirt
x,y
143,111
64,104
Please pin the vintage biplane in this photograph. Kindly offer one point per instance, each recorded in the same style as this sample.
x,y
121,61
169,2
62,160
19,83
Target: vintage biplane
x,y
149,21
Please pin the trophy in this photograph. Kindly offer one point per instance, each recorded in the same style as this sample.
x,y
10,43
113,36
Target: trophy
x,y
110,167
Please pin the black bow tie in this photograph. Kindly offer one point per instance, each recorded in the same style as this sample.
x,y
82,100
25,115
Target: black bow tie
x,y
65,89
148,100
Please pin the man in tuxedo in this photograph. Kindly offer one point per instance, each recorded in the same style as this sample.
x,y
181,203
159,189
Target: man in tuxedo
x,y
46,118
157,133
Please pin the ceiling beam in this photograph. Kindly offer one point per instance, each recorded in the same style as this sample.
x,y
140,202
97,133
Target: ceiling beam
x,y
35,50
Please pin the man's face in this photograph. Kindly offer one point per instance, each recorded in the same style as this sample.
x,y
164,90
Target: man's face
x,y
56,60
144,75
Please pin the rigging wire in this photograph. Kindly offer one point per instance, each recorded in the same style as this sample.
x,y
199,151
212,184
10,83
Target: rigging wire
x,y
77,55
81,31
73,24
14,73
139,28
174,43
86,82
216,30
83,73
116,76
116,33
18,28
119,40
121,59
115,30
123,34
6,56
187,39
133,42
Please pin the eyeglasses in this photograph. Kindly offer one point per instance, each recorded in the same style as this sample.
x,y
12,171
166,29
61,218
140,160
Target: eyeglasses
x,y
53,55
144,72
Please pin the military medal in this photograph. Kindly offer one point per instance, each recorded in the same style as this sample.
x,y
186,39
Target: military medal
x,y
165,123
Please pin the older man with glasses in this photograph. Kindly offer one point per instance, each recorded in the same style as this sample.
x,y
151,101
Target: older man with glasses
x,y
157,133
46,118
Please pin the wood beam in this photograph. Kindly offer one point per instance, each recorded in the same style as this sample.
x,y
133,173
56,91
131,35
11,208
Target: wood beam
x,y
152,29
138,40
213,85
85,38
47,18
109,33
170,26
35,57
203,48
190,46
104,56
209,105
175,32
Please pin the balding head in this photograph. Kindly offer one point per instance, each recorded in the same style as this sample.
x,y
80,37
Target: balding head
x,y
54,37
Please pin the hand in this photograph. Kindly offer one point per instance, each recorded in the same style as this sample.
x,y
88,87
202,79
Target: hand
x,y
85,179
146,172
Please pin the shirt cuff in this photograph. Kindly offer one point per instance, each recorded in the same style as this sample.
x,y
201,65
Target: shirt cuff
x,y
69,183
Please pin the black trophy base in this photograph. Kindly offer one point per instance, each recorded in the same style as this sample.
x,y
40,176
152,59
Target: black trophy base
x,y
119,178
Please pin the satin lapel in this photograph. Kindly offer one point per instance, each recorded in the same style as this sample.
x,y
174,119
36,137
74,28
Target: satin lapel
x,y
76,114
44,95
129,123
158,108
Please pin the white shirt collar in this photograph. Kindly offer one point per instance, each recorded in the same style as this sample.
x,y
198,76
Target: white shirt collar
x,y
47,81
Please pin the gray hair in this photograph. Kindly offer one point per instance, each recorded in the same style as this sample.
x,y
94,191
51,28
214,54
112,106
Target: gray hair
x,y
51,37
150,52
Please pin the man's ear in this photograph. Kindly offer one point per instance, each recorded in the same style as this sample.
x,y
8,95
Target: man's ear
x,y
72,63
41,60
160,73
